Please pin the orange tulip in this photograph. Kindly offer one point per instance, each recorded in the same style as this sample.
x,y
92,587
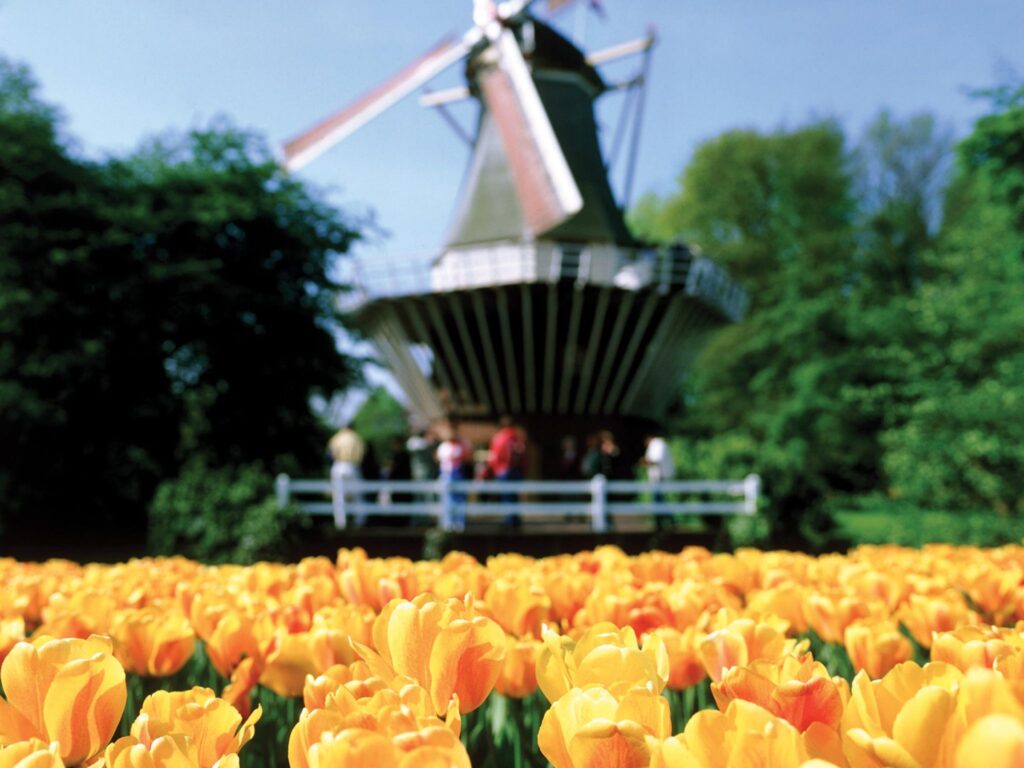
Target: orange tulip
x,y
152,641
213,725
591,728
355,678
829,614
518,678
80,614
604,655
739,643
685,668
238,692
521,608
445,646
876,647
32,753
231,638
797,689
924,615
70,691
174,750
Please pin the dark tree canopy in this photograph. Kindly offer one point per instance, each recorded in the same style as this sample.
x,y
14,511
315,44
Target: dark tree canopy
x,y
176,303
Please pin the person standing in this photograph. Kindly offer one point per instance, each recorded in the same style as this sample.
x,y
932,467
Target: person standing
x,y
452,456
347,451
657,461
506,459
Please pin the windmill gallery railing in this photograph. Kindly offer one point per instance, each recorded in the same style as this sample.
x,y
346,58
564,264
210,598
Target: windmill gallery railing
x,y
451,503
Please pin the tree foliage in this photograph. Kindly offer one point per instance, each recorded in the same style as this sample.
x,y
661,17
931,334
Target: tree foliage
x,y
172,304
961,443
883,349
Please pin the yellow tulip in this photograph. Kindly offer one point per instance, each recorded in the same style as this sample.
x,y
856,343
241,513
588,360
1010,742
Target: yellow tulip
x,y
592,728
444,646
71,691
995,741
12,632
289,658
434,747
745,734
32,753
970,646
902,718
604,655
212,724
152,641
876,646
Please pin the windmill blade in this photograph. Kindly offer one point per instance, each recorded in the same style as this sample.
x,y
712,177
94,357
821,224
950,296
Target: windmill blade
x,y
547,190
309,145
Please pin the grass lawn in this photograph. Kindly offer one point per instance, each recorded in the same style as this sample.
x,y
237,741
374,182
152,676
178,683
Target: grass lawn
x,y
888,522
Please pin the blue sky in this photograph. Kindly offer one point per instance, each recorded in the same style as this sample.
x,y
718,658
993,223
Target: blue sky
x,y
124,69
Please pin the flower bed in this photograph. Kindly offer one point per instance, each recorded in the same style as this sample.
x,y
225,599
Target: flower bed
x,y
885,656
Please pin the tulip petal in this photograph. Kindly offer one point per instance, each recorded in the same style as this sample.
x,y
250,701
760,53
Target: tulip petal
x,y
604,744
922,721
995,741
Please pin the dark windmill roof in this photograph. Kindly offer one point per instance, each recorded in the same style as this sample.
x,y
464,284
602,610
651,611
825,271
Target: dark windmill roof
x,y
489,208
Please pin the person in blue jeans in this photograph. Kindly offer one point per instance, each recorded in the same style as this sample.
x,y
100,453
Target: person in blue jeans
x,y
506,458
452,454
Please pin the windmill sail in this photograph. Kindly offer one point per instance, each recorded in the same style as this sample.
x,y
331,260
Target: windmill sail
x,y
307,146
547,191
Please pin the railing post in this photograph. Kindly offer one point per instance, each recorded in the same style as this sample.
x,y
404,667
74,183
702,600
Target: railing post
x,y
338,490
598,510
445,519
751,490
281,483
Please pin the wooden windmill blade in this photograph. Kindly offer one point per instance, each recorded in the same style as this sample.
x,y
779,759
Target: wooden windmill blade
x,y
309,145
544,182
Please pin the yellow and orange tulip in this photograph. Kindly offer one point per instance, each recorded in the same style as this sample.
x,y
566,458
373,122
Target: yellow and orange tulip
x,y
69,691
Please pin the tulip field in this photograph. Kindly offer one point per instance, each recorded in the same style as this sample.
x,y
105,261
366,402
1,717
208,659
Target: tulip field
x,y
882,657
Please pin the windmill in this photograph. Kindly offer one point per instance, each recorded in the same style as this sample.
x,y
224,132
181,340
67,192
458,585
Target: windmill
x,y
541,303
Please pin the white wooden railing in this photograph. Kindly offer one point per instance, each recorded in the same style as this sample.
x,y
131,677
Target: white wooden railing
x,y
450,502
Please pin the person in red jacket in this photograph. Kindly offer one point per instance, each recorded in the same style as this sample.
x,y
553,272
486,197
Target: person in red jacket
x,y
506,459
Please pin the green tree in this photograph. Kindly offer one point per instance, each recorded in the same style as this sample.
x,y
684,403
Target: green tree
x,y
380,419
777,211
961,443
173,304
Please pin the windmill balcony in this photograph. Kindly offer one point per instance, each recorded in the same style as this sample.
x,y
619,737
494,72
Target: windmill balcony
x,y
516,263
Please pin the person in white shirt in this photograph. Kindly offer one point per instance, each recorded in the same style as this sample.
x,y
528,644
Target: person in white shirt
x,y
452,455
658,459
658,462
